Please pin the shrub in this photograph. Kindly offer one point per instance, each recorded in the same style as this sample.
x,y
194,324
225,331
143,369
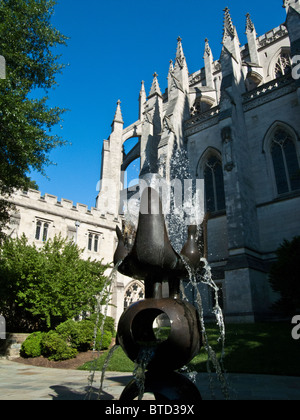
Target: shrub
x,y
109,323
56,348
32,345
105,341
79,335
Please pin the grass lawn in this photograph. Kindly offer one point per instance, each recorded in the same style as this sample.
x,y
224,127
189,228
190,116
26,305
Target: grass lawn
x,y
263,348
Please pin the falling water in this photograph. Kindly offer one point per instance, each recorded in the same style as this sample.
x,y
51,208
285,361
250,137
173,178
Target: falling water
x,y
105,366
107,288
144,358
206,278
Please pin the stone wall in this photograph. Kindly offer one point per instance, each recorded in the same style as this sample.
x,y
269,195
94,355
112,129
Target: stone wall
x,y
10,348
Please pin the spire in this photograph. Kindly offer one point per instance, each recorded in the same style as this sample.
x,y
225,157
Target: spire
x,y
142,91
207,51
171,68
118,119
208,62
155,89
231,43
229,30
252,42
142,100
118,115
179,52
249,24
180,58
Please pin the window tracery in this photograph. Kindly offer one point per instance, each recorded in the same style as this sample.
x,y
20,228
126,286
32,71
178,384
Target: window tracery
x,y
283,65
285,162
134,292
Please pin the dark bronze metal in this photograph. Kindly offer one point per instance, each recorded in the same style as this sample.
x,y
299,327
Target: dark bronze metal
x,y
135,331
166,386
153,259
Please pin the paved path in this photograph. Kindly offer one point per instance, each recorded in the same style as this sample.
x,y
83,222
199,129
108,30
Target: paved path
x,y
23,382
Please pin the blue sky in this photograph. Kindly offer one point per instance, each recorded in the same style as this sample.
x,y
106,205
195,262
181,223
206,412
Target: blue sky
x,y
113,46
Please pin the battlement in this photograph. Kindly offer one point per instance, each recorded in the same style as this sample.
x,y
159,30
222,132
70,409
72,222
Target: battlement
x,y
68,205
272,36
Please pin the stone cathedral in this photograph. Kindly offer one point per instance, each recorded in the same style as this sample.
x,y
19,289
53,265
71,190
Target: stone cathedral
x,y
238,121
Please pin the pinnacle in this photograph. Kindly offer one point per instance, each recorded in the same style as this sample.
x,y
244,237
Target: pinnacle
x,y
179,52
155,89
249,24
118,115
207,51
229,29
142,88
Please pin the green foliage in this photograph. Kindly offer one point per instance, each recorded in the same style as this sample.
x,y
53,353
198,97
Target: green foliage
x,y
68,338
260,348
80,334
118,363
109,323
103,341
32,345
40,288
56,348
284,277
27,41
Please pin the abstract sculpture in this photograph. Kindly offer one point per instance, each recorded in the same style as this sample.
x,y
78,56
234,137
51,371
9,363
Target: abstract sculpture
x,y
153,260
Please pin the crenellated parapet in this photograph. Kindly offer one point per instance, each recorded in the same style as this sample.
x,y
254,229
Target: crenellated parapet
x,y
52,205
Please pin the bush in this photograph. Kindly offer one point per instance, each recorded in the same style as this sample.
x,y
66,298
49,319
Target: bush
x,y
109,323
32,345
79,335
56,348
105,341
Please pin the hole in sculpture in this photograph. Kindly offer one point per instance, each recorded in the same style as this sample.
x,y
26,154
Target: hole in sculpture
x,y
161,327
151,326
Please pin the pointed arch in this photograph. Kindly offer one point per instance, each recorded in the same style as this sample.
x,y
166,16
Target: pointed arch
x,y
204,157
282,149
210,169
134,292
280,64
272,129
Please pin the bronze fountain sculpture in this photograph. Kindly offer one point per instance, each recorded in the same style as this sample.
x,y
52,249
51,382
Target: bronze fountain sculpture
x,y
153,259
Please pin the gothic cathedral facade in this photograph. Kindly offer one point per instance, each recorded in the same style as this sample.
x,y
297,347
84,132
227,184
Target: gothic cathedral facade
x,y
237,119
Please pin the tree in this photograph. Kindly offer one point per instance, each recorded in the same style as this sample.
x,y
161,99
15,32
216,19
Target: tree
x,y
284,277
41,288
27,41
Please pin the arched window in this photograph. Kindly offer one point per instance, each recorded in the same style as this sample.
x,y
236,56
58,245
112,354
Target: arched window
x,y
38,230
94,242
283,64
41,230
134,292
214,185
90,242
285,162
45,232
201,105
